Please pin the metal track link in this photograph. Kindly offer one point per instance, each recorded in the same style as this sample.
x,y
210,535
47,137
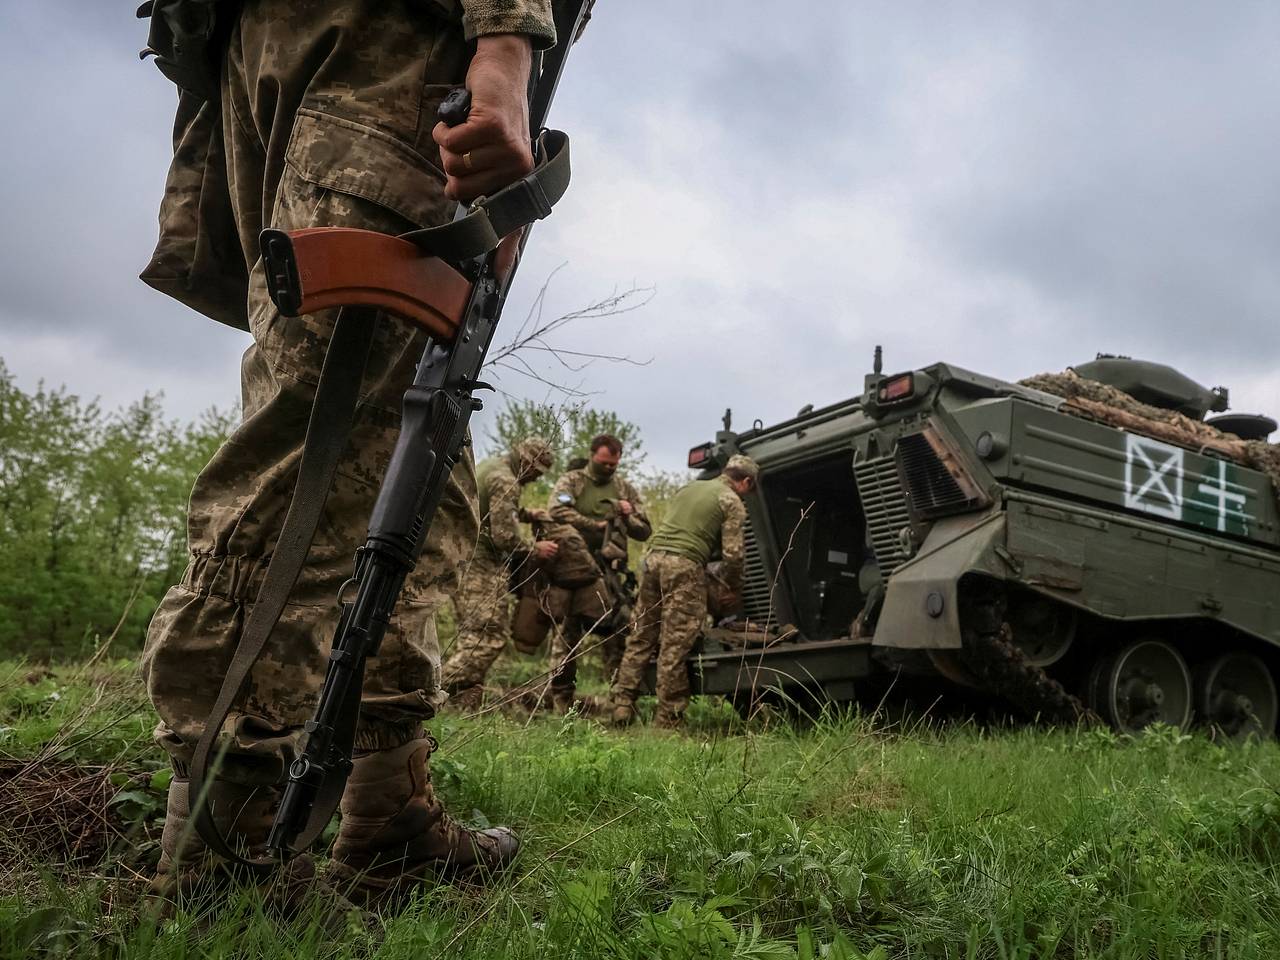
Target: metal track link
x,y
1000,665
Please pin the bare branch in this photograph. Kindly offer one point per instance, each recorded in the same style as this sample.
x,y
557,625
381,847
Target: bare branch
x,y
535,335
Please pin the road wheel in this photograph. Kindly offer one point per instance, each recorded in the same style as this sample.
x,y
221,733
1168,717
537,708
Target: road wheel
x,y
1042,629
1146,682
1236,696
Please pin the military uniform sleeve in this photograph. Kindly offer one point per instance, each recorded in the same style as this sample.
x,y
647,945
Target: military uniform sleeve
x,y
637,523
570,486
734,516
504,522
531,17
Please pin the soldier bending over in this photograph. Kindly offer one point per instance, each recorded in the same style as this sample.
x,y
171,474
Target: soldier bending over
x,y
672,605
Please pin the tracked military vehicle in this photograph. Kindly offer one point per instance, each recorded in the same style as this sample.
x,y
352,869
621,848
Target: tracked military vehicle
x,y
1076,558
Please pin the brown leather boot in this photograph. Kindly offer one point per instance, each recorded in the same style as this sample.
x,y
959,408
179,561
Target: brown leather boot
x,y
242,813
623,713
190,873
395,833
665,719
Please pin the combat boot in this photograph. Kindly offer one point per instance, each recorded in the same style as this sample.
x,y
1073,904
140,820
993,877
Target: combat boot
x,y
562,701
623,713
395,833
665,719
190,874
243,815
467,699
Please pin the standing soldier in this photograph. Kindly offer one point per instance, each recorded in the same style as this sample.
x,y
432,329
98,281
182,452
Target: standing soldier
x,y
294,114
481,601
673,588
598,510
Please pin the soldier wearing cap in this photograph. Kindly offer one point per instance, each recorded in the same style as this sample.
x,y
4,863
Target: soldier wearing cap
x,y
481,602
672,606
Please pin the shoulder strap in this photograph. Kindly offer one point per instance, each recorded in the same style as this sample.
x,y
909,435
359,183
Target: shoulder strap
x,y
332,412
517,205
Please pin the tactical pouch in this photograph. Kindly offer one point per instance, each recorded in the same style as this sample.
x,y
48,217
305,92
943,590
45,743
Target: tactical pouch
x,y
529,623
573,566
187,38
198,260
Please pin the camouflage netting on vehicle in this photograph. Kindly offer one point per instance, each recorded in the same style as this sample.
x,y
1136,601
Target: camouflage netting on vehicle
x,y
1097,401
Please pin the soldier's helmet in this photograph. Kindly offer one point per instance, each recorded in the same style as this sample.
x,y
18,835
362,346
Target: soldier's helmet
x,y
745,464
533,451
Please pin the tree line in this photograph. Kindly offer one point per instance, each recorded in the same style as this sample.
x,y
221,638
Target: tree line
x,y
93,506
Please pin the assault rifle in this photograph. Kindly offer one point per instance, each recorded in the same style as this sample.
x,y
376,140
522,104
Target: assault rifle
x,y
451,282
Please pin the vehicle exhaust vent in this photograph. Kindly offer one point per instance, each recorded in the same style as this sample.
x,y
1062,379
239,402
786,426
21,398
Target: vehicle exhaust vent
x,y
757,583
934,487
885,505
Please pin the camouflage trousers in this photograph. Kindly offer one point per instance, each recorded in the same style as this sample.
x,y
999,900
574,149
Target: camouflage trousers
x,y
669,615
580,615
481,607
325,117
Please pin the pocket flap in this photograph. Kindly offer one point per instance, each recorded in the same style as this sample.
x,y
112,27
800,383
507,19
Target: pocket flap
x,y
363,161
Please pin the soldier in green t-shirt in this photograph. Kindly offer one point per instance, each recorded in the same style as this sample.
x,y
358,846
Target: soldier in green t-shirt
x,y
702,516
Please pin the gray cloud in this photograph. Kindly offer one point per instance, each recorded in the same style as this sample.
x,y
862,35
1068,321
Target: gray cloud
x,y
1006,186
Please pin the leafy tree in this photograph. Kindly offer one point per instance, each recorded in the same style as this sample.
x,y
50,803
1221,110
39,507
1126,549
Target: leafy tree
x,y
569,428
92,515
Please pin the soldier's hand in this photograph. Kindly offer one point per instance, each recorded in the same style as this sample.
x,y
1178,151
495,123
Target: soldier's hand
x,y
624,507
491,149
546,549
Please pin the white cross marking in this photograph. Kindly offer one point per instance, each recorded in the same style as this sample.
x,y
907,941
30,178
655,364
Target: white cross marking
x,y
1221,494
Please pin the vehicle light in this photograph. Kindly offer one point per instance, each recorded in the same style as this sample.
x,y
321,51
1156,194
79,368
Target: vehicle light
x,y
700,456
896,388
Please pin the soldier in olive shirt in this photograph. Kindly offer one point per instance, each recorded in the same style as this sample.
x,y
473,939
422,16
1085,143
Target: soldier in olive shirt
x,y
673,588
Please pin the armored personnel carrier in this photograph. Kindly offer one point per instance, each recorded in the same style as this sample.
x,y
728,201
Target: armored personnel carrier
x,y
1080,545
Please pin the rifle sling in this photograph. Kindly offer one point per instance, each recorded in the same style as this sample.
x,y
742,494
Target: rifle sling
x,y
492,218
332,413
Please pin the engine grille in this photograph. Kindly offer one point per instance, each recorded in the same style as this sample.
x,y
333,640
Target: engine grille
x,y
757,583
885,505
931,488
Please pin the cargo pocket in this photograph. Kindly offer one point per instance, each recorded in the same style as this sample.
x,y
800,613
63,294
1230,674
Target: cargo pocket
x,y
342,173
198,259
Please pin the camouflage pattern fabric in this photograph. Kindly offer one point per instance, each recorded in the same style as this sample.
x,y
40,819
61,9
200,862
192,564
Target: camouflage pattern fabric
x,y
670,613
481,608
1098,401
578,504
326,114
481,600
591,500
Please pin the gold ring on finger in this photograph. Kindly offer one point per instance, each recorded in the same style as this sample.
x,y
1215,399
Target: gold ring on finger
x,y
466,159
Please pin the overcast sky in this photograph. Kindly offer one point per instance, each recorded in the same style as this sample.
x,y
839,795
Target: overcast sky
x,y
1008,186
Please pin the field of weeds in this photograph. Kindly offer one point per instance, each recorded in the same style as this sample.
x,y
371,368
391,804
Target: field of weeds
x,y
844,837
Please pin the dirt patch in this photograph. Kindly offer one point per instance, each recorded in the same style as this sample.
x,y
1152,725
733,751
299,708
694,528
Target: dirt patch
x,y
61,813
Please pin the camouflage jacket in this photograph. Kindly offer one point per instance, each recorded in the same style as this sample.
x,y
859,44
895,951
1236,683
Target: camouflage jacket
x,y
581,502
499,496
533,17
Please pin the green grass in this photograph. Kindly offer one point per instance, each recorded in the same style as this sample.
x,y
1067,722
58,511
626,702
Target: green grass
x,y
840,839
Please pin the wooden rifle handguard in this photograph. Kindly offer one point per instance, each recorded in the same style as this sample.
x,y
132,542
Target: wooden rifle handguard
x,y
324,267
